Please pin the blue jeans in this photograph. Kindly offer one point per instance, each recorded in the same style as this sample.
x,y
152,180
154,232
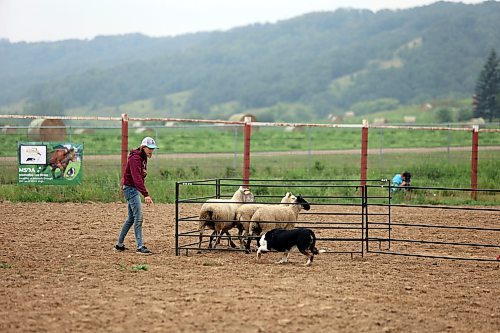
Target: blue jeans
x,y
134,216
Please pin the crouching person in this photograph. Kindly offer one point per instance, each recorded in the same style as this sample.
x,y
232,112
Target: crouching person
x,y
401,180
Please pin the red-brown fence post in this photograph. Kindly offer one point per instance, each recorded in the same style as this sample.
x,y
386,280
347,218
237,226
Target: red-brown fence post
x,y
364,152
124,142
473,171
246,150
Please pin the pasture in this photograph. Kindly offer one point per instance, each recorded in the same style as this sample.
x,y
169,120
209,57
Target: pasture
x,y
59,273
435,158
101,176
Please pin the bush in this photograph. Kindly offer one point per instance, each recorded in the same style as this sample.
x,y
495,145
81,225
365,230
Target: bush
x,y
444,116
464,114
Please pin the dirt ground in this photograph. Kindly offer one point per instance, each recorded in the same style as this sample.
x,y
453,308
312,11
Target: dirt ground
x,y
59,273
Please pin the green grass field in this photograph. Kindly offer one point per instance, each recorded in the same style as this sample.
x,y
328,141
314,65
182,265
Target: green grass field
x,y
101,177
101,162
200,139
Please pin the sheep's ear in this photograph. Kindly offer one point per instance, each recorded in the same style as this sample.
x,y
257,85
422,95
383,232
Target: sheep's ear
x,y
288,194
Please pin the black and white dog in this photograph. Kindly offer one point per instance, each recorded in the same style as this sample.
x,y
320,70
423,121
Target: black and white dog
x,y
283,240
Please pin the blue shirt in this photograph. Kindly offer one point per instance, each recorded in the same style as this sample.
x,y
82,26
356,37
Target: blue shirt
x,y
397,180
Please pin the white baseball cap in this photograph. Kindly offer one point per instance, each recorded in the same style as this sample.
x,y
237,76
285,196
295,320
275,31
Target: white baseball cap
x,y
149,142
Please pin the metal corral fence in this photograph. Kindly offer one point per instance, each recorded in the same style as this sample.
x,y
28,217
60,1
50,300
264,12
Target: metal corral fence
x,y
434,231
354,219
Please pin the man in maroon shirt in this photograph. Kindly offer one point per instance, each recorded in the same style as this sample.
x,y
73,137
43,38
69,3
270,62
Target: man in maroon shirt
x,y
133,185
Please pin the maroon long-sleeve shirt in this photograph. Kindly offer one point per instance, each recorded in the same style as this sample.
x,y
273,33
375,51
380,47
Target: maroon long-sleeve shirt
x,y
136,171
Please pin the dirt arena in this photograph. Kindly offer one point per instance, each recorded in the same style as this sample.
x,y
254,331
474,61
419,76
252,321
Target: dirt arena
x,y
59,273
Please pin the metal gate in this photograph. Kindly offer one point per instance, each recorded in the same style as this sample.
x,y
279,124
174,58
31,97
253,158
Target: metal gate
x,y
354,219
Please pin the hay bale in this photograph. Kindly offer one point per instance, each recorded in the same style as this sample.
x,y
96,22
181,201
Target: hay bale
x,y
410,119
289,129
241,117
477,121
144,130
379,121
47,130
7,129
335,118
425,107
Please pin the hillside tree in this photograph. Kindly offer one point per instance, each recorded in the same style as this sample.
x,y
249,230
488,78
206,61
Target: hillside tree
x,y
486,98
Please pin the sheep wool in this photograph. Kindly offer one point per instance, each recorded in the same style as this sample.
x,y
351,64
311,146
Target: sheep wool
x,y
280,216
219,214
244,215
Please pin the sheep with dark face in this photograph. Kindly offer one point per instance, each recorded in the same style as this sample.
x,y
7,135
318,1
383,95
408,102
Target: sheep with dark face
x,y
219,215
276,216
244,215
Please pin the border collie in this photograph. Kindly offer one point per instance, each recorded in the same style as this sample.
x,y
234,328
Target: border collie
x,y
283,240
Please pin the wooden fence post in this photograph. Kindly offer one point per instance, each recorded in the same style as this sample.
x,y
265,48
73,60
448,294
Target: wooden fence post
x,y
246,150
124,143
473,171
364,152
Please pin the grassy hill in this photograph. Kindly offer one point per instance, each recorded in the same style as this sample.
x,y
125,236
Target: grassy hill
x,y
302,69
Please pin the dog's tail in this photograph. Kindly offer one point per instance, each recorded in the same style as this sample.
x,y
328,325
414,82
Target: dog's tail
x,y
316,251
313,243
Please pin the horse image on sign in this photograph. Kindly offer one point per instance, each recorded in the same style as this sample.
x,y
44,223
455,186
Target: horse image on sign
x,y
60,159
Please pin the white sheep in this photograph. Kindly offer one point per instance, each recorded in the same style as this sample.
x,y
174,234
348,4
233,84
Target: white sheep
x,y
244,215
276,216
219,215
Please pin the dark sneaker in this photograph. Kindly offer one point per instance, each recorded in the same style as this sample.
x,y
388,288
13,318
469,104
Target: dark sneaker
x,y
120,248
144,250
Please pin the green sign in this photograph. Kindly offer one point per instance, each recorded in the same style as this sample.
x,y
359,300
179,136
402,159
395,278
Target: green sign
x,y
50,163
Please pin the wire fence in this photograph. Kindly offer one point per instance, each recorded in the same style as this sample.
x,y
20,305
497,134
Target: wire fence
x,y
211,149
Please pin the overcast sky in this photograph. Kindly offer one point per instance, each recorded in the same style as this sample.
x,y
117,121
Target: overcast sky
x,y
51,20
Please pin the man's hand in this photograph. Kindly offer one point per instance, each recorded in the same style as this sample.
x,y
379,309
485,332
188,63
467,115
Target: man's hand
x,y
148,200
